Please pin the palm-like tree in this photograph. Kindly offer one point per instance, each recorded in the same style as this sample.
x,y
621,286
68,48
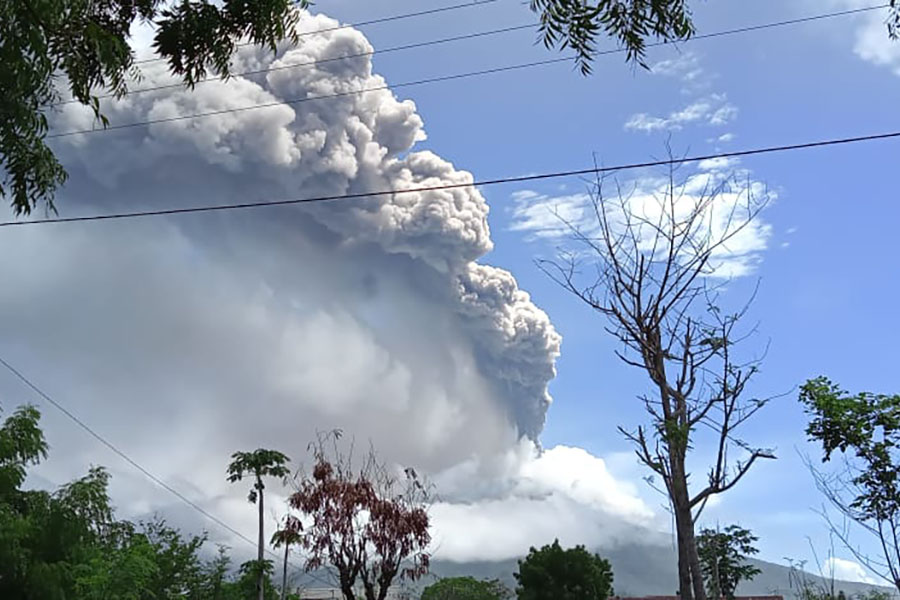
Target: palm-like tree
x,y
285,537
258,464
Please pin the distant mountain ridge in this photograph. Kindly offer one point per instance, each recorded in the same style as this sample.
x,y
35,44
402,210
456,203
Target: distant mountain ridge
x,y
644,570
648,570
646,567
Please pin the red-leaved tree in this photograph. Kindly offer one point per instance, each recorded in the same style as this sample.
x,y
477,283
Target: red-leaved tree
x,y
369,524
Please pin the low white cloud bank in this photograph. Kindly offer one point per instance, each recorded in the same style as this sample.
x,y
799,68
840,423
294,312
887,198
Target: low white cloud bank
x,y
847,570
184,339
531,499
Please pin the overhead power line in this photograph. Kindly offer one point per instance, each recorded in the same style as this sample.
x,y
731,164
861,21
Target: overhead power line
x,y
311,98
312,63
34,388
446,40
465,75
450,186
411,15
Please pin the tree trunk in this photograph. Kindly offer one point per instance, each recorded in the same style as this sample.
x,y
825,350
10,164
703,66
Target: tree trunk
x,y
383,590
690,578
684,569
260,592
694,558
717,580
347,591
369,589
284,572
679,498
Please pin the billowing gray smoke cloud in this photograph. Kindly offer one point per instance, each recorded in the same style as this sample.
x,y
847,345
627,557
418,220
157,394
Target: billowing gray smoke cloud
x,y
353,143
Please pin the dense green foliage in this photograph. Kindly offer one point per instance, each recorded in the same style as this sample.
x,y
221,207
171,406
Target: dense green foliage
x,y
867,426
577,25
257,464
723,557
466,588
67,544
865,429
86,41
552,573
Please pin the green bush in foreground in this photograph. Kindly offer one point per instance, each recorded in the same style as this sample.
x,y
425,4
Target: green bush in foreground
x,y
552,573
466,588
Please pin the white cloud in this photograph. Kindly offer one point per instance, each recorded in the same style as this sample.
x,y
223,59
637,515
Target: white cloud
x,y
874,45
563,493
847,570
723,115
870,41
713,110
551,219
721,163
685,66
709,109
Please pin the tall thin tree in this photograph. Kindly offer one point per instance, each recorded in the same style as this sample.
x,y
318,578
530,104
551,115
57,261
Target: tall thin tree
x,y
285,537
723,558
652,263
258,464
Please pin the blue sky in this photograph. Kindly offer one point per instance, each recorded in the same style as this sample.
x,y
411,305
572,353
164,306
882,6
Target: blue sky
x,y
829,276
187,318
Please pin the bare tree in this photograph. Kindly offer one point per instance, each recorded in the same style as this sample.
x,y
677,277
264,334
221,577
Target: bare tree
x,y
653,263
840,492
369,523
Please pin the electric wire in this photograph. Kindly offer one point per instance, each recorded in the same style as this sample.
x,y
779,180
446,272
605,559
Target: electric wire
x,y
121,454
450,186
457,76
457,38
375,21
